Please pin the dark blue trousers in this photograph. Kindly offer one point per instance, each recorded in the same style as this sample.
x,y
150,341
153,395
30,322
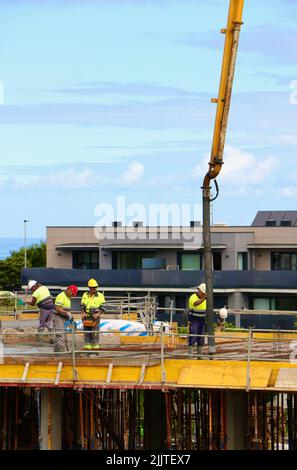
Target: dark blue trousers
x,y
197,327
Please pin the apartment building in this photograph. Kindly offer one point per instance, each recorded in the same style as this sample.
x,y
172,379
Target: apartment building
x,y
254,266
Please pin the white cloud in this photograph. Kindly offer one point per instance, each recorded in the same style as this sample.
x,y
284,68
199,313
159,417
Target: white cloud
x,y
68,179
132,175
240,168
289,191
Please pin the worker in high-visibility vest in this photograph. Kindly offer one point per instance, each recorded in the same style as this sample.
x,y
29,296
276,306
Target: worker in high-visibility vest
x,y
92,305
41,297
197,319
61,314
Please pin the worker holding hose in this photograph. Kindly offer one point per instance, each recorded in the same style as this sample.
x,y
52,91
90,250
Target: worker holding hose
x,y
197,319
92,305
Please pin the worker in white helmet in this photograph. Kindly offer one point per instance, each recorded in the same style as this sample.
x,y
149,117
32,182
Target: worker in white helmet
x,y
41,297
197,319
222,315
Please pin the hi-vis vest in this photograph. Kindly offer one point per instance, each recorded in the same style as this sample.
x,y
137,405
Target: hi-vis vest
x,y
91,303
43,298
63,301
199,310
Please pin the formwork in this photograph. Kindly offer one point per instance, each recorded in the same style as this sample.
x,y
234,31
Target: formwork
x,y
149,393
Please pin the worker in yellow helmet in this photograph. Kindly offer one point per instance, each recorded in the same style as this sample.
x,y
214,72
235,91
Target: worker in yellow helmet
x,y
197,317
92,305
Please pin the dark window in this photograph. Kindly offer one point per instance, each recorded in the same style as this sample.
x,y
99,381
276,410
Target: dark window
x,y
242,261
274,303
85,259
283,261
132,260
217,261
286,223
270,223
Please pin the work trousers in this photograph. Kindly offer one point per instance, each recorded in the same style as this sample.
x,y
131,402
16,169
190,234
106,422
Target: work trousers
x,y
197,327
45,319
92,333
60,334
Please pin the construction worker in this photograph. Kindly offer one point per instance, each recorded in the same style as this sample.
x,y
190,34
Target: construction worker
x,y
197,317
92,305
61,314
41,297
222,315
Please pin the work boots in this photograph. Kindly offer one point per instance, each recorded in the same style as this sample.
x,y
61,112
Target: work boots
x,y
191,350
199,352
58,349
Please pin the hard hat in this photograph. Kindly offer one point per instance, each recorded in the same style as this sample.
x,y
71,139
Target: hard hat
x,y
92,283
202,287
31,284
73,289
223,312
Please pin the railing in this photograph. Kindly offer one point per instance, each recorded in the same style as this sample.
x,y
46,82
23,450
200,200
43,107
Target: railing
x,y
253,345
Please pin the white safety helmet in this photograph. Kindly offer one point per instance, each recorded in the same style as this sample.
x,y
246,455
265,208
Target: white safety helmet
x,y
31,284
223,312
202,287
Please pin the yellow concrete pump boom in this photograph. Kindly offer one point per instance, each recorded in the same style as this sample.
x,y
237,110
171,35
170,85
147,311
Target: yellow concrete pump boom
x,y
223,101
216,159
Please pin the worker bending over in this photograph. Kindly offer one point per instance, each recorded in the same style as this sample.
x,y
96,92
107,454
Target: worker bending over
x,y
197,317
92,305
61,314
41,297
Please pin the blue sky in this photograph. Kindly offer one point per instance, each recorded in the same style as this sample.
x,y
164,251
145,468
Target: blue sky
x,y
111,98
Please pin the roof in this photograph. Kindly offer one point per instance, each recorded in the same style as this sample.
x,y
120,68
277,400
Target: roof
x,y
132,245
275,219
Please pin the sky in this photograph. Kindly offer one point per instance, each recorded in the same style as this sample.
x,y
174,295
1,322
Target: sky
x,y
106,103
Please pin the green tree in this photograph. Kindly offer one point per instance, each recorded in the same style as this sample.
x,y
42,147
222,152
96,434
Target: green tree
x,y
10,267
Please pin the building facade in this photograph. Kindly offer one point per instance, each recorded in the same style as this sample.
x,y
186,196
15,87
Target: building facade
x,y
255,267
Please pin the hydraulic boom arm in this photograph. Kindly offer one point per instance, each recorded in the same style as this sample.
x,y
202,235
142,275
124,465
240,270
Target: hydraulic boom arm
x,y
216,160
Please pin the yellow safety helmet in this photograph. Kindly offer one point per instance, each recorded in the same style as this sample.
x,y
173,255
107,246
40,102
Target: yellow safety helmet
x,y
92,283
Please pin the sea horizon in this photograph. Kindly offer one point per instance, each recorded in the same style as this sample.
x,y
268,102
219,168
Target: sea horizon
x,y
8,244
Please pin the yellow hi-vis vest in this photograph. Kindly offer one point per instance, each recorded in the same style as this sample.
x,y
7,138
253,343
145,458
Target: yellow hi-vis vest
x,y
43,298
91,303
198,310
63,301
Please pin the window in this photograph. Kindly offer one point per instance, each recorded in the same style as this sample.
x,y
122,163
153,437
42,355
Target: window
x,y
191,261
85,259
270,223
283,261
274,303
286,223
132,260
153,263
264,304
242,261
217,261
